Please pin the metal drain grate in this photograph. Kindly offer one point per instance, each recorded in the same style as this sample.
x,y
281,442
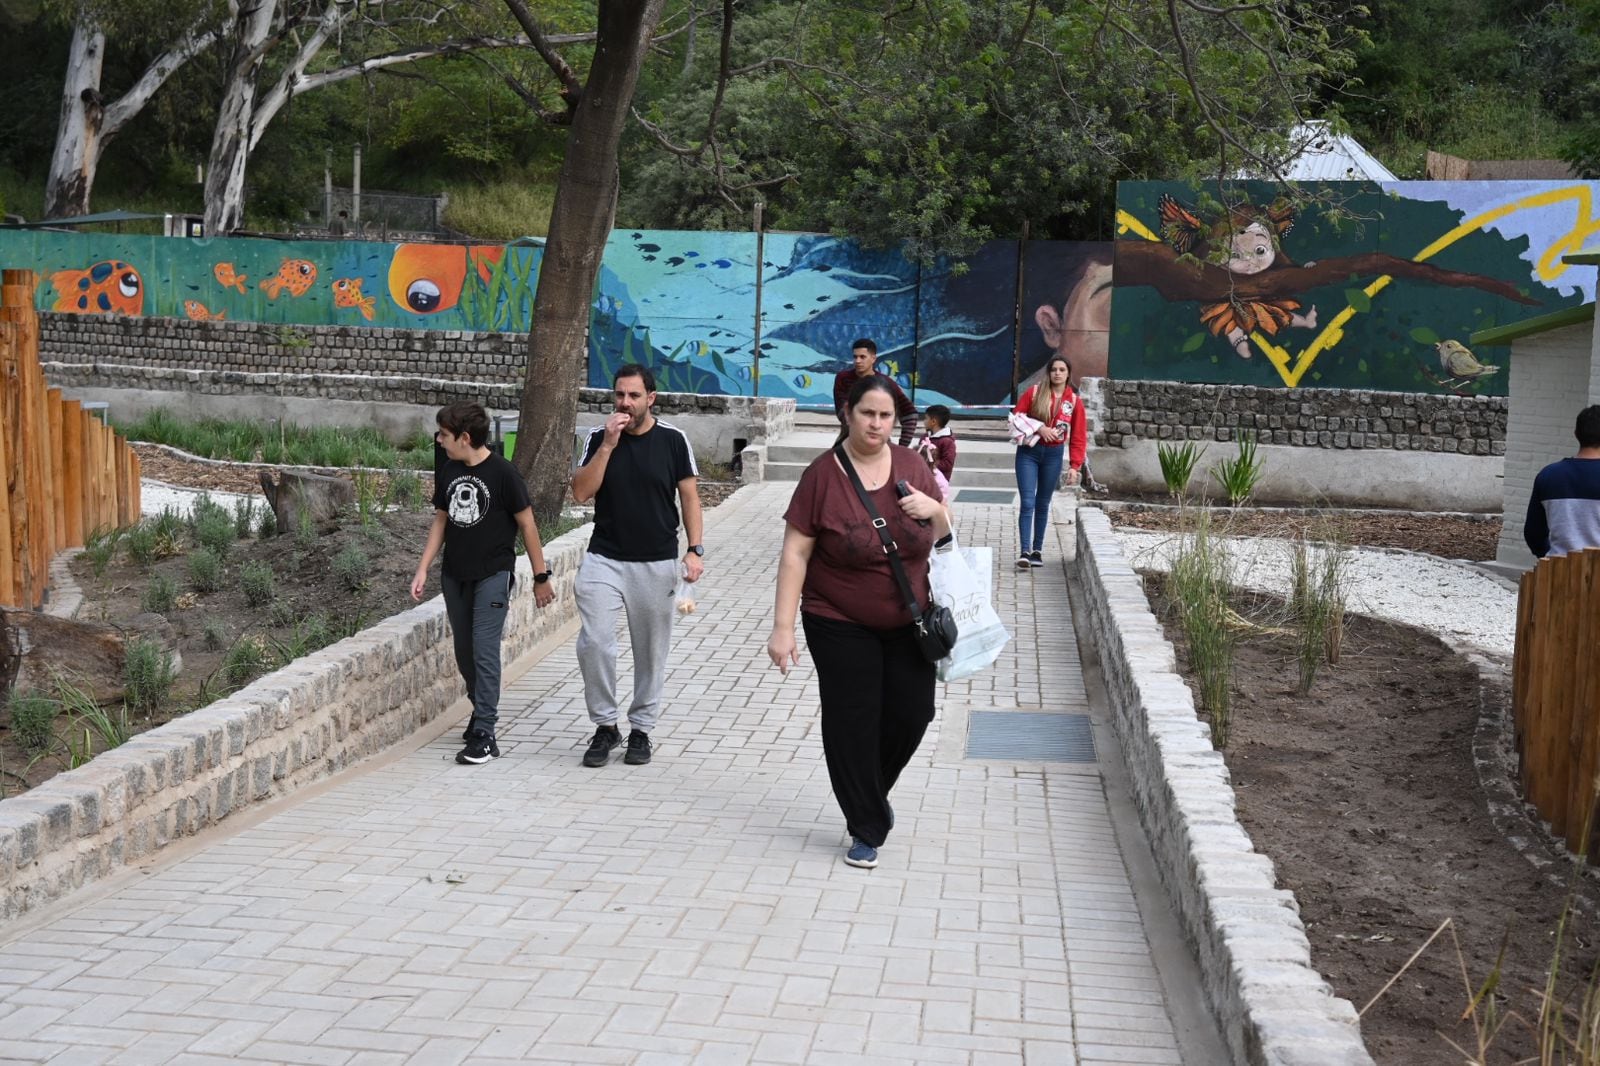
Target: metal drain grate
x,y
984,496
1029,737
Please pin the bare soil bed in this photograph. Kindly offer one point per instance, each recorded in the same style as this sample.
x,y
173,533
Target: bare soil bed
x,y
1448,536
311,606
1365,795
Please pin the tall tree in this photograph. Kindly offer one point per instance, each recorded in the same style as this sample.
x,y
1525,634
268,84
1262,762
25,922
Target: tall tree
x,y
88,120
596,109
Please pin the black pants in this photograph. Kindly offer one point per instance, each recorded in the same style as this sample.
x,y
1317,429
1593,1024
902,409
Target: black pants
x,y
877,700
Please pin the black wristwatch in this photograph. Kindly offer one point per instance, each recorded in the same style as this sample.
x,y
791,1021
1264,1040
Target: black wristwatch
x,y
698,549
539,579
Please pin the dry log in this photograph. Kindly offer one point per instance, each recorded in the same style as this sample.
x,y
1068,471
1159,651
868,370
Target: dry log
x,y
36,648
318,495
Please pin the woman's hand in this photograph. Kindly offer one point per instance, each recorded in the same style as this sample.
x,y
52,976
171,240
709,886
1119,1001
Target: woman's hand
x,y
1049,435
920,505
1072,477
418,582
782,650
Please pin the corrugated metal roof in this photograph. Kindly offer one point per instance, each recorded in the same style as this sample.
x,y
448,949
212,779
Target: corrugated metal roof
x,y
1329,156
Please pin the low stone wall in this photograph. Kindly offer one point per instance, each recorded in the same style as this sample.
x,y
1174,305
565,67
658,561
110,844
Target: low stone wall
x,y
291,728
396,405
1309,418
1270,1003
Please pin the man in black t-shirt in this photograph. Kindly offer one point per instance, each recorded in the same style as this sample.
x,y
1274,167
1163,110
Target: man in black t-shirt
x,y
633,464
480,502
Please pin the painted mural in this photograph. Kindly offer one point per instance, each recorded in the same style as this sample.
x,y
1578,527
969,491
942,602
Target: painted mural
x,y
1354,285
682,302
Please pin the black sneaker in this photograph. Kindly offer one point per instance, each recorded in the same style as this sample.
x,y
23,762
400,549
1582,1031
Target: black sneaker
x,y
638,748
472,727
605,738
1036,558
480,749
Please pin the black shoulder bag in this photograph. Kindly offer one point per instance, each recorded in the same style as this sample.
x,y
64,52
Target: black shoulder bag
x,y
936,626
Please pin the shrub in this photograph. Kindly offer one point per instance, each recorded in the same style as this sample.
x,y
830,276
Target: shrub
x,y
245,661
100,547
160,596
305,533
205,569
244,517
307,636
351,567
1200,580
404,490
1177,464
1317,604
1240,475
214,634
147,675
215,530
32,716
93,719
141,543
267,524
258,582
284,613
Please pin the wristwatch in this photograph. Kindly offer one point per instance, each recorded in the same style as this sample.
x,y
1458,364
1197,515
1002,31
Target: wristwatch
x,y
698,549
539,579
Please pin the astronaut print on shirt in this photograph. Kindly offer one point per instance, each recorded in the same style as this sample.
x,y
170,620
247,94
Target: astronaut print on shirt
x,y
469,501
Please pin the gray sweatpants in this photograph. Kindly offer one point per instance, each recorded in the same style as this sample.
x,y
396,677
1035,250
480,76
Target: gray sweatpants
x,y
647,593
477,613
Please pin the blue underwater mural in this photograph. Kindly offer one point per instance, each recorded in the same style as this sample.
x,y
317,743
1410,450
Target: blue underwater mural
x,y
683,302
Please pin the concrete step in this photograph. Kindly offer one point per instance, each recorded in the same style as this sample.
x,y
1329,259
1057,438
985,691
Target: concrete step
x,y
966,477
802,446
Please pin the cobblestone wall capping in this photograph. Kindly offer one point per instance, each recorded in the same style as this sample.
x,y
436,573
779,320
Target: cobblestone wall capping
x,y
1272,1006
316,716
765,417
1125,412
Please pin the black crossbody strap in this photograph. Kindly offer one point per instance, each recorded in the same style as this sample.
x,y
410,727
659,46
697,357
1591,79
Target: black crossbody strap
x,y
890,548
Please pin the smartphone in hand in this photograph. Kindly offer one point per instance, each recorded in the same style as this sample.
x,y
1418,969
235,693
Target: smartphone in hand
x,y
903,487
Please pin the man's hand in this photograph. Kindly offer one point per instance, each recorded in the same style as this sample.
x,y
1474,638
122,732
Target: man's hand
x,y
418,583
543,593
616,422
693,567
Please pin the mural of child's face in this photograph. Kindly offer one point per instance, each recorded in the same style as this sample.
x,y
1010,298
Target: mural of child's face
x,y
1081,329
1252,250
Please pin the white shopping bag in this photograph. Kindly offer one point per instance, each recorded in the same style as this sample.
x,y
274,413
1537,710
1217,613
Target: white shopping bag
x,y
960,580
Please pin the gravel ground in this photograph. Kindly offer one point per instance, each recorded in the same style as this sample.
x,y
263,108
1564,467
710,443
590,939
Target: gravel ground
x,y
1462,604
156,496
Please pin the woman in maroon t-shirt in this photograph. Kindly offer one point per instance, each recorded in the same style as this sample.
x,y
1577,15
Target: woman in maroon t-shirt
x,y
875,687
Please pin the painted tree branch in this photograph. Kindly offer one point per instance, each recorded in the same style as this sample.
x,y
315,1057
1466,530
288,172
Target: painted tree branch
x,y
1157,265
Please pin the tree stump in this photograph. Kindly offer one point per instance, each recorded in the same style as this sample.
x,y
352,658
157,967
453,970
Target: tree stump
x,y
35,649
298,493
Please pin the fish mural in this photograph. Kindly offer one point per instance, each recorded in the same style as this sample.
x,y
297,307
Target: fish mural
x,y
426,279
296,275
196,311
228,278
109,287
347,293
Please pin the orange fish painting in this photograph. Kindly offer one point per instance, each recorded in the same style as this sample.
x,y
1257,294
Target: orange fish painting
x,y
198,312
425,279
109,287
347,293
228,279
296,275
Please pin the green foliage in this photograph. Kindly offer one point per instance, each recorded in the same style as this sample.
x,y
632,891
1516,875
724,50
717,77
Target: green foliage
x,y
32,716
100,547
247,660
308,635
267,525
403,491
1240,474
140,542
503,210
95,721
148,675
1200,579
1318,576
1177,464
214,634
282,443
160,596
258,583
305,533
205,570
351,566
215,530
244,517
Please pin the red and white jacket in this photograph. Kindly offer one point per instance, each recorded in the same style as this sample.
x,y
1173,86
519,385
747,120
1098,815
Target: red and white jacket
x,y
1068,416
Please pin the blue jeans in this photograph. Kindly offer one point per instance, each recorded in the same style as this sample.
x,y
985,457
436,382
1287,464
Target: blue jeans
x,y
1038,473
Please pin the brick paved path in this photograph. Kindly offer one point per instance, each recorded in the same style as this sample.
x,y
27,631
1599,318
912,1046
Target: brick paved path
x,y
694,910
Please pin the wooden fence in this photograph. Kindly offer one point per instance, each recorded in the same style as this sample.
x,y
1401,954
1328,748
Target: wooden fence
x,y
66,473
1555,695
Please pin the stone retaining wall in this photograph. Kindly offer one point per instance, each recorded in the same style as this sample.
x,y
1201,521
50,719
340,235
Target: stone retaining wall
x,y
291,728
1130,411
1272,1006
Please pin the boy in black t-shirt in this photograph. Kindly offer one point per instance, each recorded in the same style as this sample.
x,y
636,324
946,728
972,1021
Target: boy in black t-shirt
x,y
480,502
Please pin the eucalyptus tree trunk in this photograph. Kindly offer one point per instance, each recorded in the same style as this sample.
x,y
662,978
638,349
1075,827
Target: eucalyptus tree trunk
x,y
77,149
231,139
580,222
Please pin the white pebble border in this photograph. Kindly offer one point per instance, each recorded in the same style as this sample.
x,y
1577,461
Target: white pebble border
x,y
157,496
1270,1003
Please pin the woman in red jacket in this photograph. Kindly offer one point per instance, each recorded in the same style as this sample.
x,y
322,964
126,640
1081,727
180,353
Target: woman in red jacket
x,y
1063,433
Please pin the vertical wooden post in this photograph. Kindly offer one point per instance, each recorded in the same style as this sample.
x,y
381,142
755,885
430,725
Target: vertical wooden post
x,y
11,393
72,472
16,307
1583,743
58,465
136,488
91,506
8,567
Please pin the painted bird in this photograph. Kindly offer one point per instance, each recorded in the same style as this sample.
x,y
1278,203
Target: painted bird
x,y
1459,362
